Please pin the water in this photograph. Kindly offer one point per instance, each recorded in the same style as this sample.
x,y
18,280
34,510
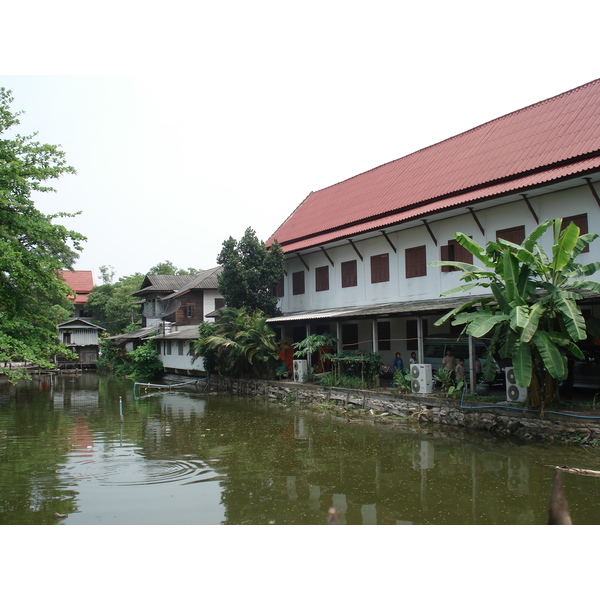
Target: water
x,y
187,458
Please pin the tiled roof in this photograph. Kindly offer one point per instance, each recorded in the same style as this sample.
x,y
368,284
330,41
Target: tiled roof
x,y
79,281
543,142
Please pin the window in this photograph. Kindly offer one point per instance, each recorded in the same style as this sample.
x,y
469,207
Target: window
x,y
384,334
157,346
380,268
581,222
416,262
516,235
349,336
298,283
219,303
349,278
454,251
278,290
412,342
189,311
168,348
180,347
322,279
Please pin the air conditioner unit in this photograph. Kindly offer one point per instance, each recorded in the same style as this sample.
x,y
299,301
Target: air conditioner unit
x,y
422,379
300,370
514,392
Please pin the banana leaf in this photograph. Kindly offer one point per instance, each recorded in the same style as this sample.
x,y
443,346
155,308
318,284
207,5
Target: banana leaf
x,y
572,318
483,323
551,356
531,326
563,248
522,364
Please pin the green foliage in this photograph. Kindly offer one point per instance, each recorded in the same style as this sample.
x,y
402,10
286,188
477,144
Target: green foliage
x,y
446,379
281,372
240,344
314,343
250,273
112,305
141,364
32,247
532,310
402,381
145,364
357,365
168,268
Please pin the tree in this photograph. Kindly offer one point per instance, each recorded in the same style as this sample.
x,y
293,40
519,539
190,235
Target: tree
x,y
532,312
112,305
240,344
32,247
168,268
251,272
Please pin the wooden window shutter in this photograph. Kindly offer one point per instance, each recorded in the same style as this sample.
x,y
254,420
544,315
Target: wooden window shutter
x,y
349,276
445,252
416,262
461,254
298,283
516,235
380,268
322,279
581,221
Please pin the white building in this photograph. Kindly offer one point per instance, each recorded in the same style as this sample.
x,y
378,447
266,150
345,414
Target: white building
x,y
357,252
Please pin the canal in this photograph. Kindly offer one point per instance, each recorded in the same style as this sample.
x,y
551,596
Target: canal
x,y
68,457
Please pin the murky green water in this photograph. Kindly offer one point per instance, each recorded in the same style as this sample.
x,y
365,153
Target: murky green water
x,y
188,458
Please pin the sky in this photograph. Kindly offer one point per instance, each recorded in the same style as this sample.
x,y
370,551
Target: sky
x,y
188,123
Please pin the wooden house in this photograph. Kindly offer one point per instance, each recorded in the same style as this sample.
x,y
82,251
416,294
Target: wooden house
x,y
81,337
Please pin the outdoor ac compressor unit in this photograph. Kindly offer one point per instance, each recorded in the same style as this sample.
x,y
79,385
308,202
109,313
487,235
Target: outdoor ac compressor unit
x,y
514,393
300,370
422,379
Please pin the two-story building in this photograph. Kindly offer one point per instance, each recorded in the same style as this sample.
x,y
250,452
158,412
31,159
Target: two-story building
x,y
358,252
173,306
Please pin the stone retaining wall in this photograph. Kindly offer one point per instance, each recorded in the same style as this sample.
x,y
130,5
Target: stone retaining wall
x,y
499,418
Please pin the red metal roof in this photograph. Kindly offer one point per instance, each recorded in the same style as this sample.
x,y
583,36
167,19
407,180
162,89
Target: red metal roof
x,y
519,150
81,282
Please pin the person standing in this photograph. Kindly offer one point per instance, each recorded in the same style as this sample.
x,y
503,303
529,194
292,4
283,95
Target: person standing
x,y
413,358
449,361
398,364
460,370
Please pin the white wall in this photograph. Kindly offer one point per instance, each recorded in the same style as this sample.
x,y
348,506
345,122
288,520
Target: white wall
x,y
399,288
176,360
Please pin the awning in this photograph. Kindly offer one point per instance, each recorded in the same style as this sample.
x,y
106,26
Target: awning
x,y
416,307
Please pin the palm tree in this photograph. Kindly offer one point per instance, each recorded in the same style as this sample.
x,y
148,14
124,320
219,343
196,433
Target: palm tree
x,y
532,311
242,344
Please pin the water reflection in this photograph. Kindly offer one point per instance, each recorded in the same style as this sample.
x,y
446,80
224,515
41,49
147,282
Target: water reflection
x,y
188,458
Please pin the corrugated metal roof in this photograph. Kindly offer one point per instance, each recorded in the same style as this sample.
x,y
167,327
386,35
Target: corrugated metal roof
x,y
511,150
417,307
389,309
182,332
163,283
433,207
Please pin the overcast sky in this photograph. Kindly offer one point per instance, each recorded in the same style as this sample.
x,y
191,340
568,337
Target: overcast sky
x,y
190,121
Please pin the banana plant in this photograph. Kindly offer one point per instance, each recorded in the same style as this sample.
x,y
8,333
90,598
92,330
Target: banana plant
x,y
531,312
